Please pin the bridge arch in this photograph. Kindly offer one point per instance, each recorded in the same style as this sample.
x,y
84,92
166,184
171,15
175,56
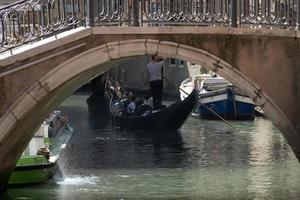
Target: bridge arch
x,y
47,92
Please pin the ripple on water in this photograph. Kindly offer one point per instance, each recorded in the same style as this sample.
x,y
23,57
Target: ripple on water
x,y
90,180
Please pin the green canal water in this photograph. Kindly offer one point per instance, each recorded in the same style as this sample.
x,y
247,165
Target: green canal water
x,y
203,160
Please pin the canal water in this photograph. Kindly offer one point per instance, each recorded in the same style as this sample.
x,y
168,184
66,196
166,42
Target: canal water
x,y
203,160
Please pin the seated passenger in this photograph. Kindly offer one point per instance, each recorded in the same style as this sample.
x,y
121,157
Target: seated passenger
x,y
148,100
127,99
143,110
139,102
118,90
146,106
131,106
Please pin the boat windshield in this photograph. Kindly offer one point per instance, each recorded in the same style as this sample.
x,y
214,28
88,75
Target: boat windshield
x,y
211,84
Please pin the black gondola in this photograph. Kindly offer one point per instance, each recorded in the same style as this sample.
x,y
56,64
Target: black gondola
x,y
169,118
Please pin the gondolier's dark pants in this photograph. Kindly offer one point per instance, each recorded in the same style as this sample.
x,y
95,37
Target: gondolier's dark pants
x,y
156,92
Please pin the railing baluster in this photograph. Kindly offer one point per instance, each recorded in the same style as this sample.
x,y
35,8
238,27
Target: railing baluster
x,y
297,15
135,13
234,13
91,16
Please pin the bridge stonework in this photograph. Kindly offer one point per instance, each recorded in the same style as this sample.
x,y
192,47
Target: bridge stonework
x,y
38,77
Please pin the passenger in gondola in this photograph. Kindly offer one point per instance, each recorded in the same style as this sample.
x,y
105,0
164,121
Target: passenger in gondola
x,y
144,106
139,102
127,99
131,106
118,90
148,100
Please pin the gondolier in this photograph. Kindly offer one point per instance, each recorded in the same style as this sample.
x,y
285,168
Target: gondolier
x,y
155,74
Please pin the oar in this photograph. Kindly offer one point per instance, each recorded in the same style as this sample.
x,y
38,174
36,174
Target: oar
x,y
199,102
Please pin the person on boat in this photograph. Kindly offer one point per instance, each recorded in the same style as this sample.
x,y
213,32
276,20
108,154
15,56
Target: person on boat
x,y
132,105
118,90
127,99
148,100
155,74
144,107
139,102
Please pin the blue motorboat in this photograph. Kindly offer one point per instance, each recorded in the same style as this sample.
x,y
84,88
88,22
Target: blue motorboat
x,y
217,96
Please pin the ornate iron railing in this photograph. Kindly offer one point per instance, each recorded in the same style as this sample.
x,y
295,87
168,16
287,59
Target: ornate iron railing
x,y
26,21
280,13
111,12
200,12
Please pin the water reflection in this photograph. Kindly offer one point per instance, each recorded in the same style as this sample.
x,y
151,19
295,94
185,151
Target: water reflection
x,y
121,149
267,151
260,157
161,149
213,143
98,111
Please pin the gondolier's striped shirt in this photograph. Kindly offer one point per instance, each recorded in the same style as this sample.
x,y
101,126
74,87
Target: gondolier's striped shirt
x,y
154,70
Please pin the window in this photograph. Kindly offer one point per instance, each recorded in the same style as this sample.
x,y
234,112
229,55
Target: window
x,y
173,61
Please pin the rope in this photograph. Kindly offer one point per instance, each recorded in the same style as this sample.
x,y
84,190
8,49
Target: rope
x,y
200,103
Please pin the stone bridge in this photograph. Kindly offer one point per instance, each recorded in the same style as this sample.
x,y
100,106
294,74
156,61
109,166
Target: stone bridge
x,y
37,76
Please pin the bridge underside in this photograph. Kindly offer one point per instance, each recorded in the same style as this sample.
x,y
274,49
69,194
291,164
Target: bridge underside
x,y
35,81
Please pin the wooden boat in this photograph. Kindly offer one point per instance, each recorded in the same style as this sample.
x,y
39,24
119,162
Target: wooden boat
x,y
168,118
38,162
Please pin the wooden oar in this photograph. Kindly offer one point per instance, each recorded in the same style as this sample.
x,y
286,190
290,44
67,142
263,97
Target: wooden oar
x,y
200,103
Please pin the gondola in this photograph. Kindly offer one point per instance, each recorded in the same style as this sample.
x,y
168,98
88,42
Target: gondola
x,y
169,118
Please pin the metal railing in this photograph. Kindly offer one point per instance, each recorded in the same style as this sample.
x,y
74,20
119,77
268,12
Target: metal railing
x,y
278,13
185,12
26,21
